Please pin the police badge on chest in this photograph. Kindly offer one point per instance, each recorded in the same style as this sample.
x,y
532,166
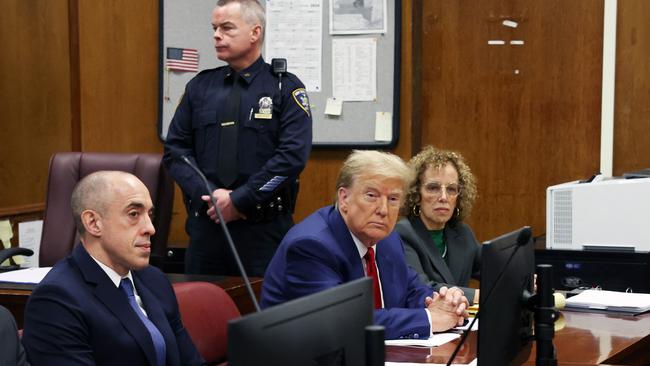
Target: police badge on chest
x,y
265,110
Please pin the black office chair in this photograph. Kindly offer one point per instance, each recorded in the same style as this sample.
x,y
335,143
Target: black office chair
x,y
11,252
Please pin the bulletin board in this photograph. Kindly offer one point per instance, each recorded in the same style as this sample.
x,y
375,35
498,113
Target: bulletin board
x,y
186,25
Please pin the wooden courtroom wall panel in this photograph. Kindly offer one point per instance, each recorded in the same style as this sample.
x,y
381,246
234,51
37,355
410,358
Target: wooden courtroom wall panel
x,y
524,116
118,52
632,101
119,84
34,97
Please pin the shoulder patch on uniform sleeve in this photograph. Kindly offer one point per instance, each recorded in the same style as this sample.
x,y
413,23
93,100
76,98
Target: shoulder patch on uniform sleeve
x,y
300,96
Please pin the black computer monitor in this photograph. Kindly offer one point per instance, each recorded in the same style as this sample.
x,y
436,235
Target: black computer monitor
x,y
326,328
505,325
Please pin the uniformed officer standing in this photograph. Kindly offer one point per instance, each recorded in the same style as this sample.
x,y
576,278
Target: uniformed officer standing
x,y
249,130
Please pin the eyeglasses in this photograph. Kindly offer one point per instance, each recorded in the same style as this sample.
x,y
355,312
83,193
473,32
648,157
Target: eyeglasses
x,y
452,190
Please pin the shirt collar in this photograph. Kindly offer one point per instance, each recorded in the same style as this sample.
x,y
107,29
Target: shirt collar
x,y
362,248
249,73
110,272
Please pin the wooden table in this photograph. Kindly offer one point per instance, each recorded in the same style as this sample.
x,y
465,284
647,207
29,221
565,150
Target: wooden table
x,y
586,339
14,296
438,355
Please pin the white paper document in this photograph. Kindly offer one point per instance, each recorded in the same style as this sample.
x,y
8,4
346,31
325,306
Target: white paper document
x,y
383,126
334,106
434,341
466,326
29,235
354,69
294,31
27,276
610,301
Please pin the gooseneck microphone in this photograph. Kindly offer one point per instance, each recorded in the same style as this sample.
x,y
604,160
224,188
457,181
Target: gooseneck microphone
x,y
235,254
522,239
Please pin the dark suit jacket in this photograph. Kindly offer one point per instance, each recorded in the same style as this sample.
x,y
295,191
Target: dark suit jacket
x,y
319,253
77,316
463,253
11,351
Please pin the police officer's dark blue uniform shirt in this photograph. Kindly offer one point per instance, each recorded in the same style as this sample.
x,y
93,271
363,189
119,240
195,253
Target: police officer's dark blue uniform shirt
x,y
273,144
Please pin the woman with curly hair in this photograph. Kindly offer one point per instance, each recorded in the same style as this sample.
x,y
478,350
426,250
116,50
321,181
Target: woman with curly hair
x,y
438,244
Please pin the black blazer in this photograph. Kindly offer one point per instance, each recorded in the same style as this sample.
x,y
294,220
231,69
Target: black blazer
x,y
463,252
11,350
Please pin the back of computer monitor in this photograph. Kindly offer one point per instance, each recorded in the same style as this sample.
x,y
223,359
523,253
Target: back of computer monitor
x,y
505,326
326,328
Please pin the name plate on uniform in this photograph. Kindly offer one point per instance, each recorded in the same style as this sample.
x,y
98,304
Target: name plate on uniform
x,y
263,115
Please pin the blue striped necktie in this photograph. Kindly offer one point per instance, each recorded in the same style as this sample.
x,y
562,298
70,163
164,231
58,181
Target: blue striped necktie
x,y
158,341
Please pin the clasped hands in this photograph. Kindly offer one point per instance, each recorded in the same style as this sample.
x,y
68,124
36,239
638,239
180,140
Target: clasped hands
x,y
448,308
228,210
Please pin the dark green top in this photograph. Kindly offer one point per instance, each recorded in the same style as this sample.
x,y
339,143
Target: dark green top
x,y
438,238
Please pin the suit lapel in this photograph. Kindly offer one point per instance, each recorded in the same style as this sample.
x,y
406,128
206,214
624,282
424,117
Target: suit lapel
x,y
349,248
155,313
456,249
115,300
433,255
386,270
346,243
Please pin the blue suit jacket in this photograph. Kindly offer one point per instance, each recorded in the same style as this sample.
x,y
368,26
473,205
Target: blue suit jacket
x,y
77,316
319,253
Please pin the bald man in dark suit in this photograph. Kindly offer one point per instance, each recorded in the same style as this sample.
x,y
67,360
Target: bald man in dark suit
x,y
104,304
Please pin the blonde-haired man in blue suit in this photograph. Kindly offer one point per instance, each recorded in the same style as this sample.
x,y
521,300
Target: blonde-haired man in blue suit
x,y
340,243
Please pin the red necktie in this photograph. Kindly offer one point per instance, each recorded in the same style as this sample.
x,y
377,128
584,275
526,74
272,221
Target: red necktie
x,y
372,272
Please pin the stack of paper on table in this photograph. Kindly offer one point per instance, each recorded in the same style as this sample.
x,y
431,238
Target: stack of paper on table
x,y
433,341
615,301
29,275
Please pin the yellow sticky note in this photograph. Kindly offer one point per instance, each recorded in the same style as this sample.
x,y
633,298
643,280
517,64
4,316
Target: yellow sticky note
x,y
5,236
5,230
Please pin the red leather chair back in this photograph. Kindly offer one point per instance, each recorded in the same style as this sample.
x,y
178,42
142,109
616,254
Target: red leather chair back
x,y
59,233
205,310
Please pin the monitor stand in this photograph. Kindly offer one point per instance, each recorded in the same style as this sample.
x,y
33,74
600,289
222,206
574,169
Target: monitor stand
x,y
545,316
375,346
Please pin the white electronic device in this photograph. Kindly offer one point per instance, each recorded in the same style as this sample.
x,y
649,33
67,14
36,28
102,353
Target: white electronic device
x,y
610,214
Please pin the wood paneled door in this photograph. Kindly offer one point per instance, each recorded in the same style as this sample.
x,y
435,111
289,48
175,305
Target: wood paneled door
x,y
520,100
